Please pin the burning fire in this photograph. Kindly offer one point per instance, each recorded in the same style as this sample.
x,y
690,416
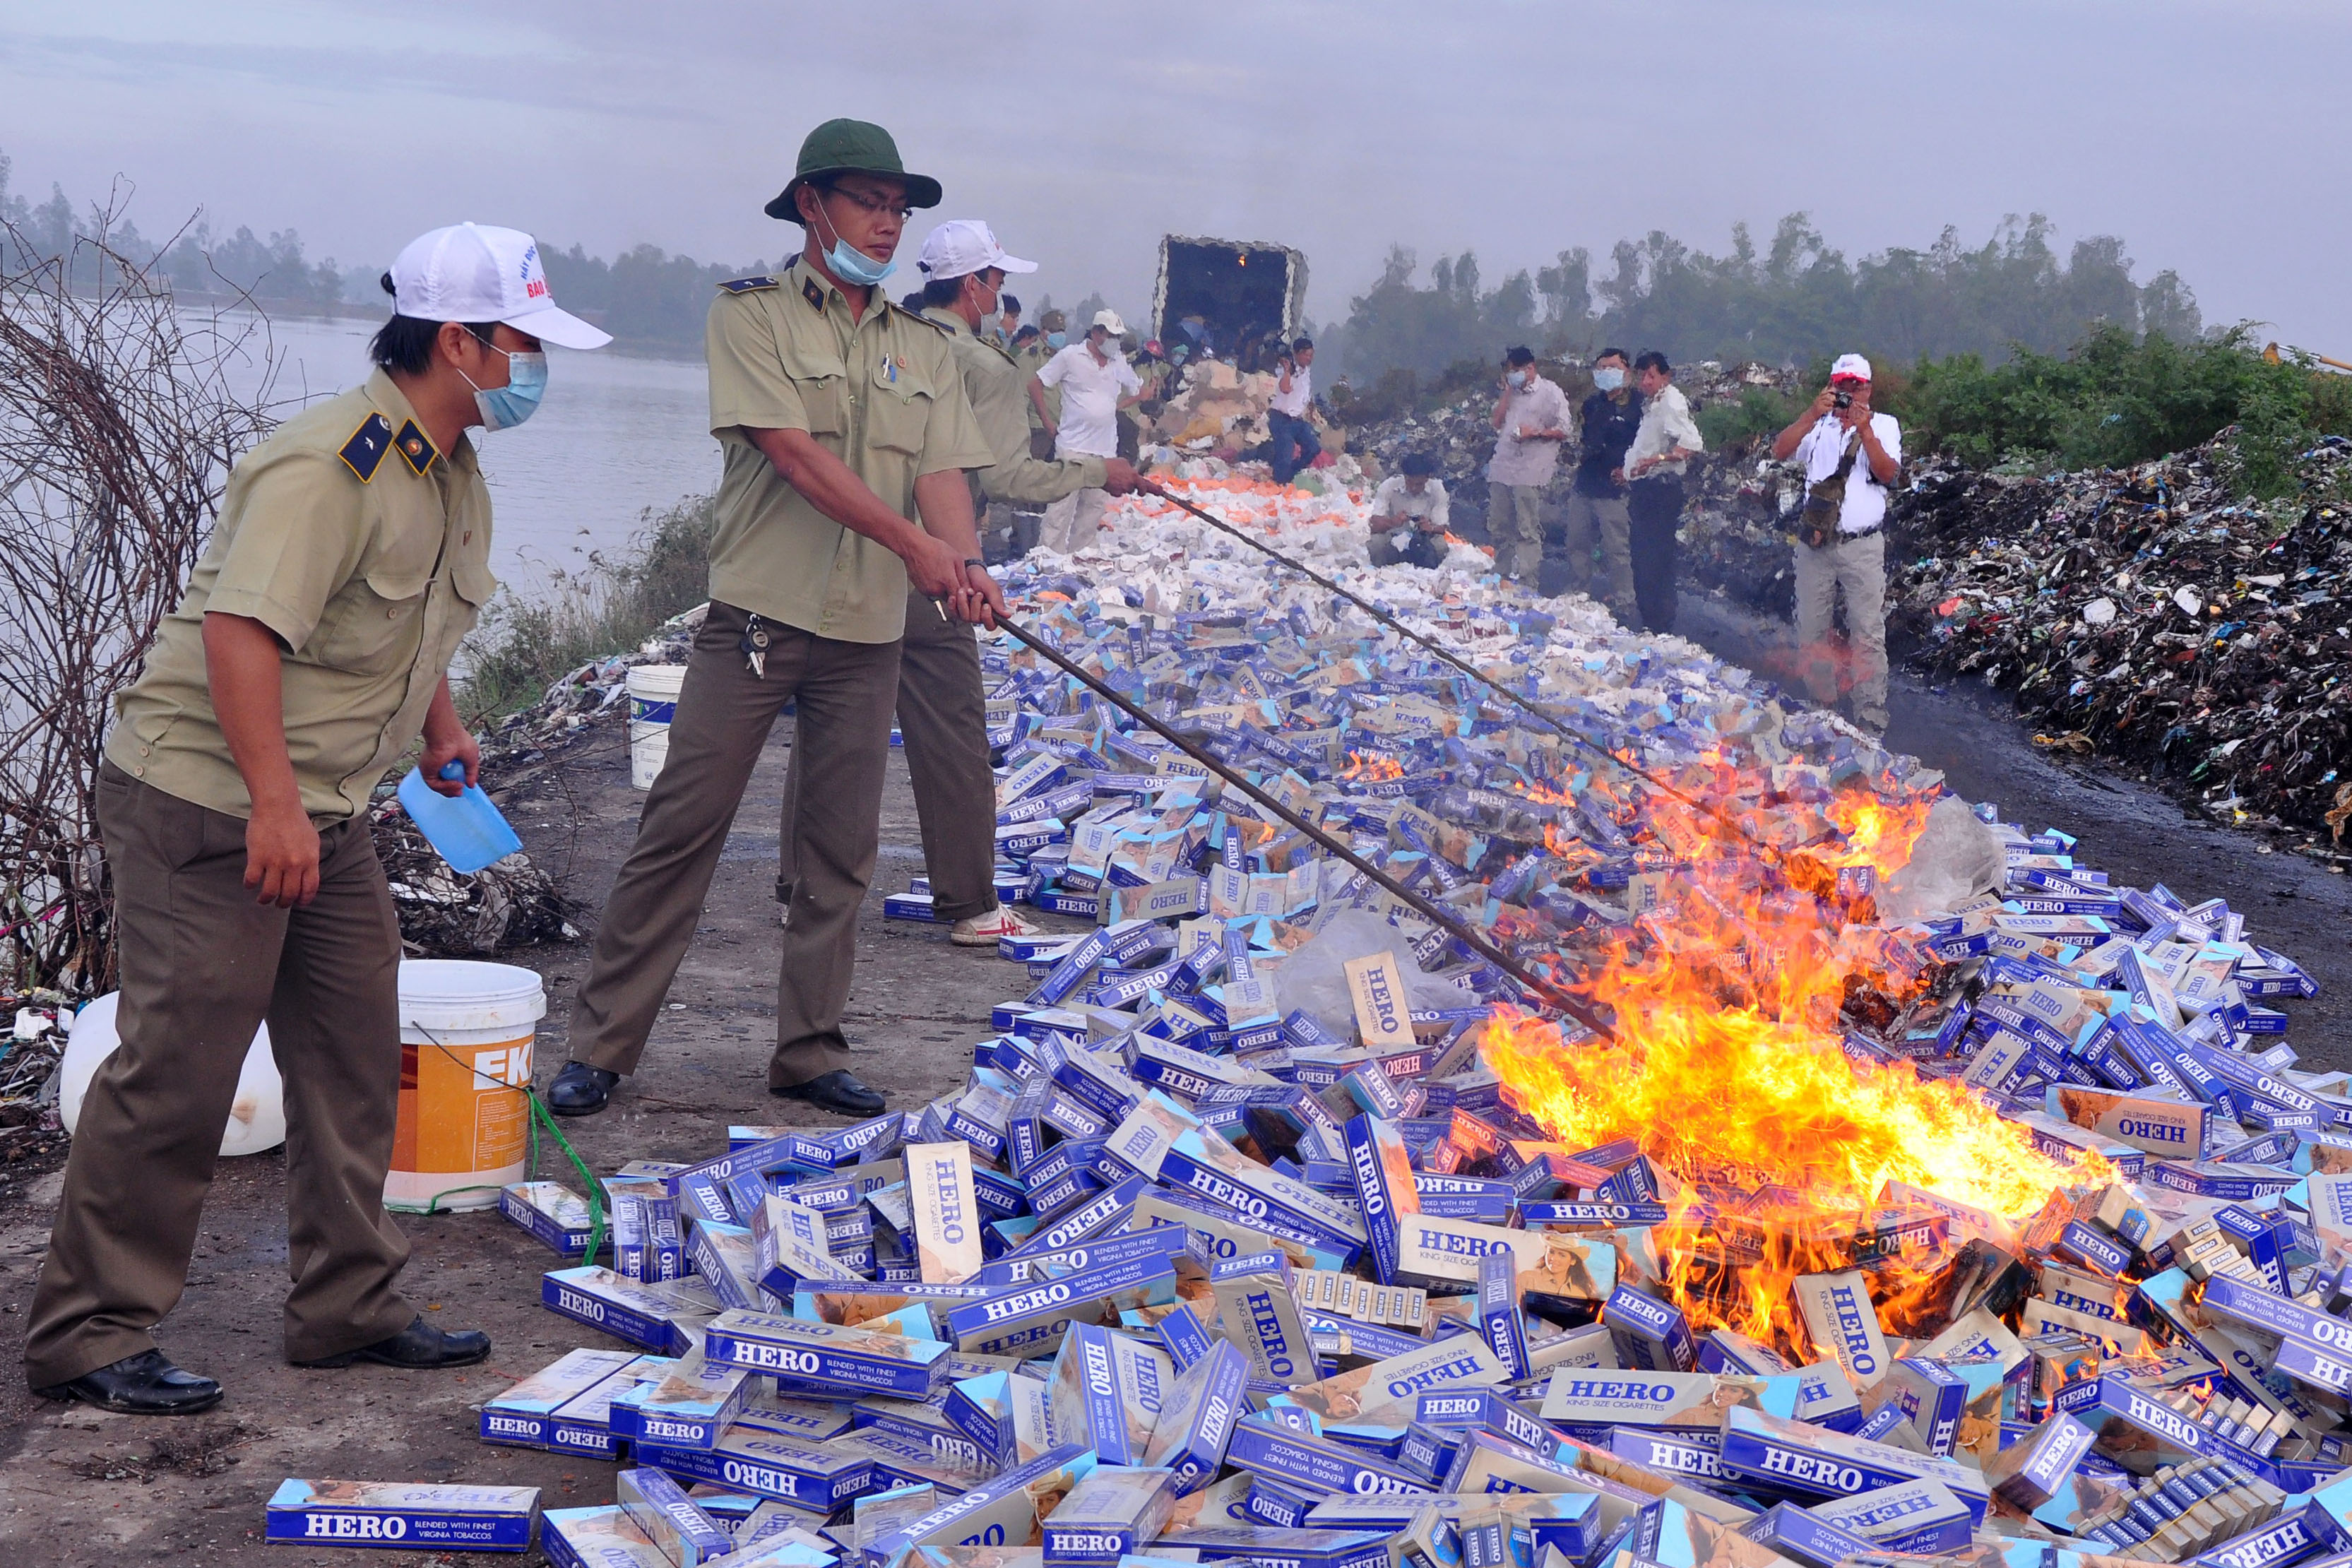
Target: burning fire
x,y
1727,1072
1371,768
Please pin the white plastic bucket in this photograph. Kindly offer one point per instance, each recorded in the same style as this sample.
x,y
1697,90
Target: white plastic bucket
x,y
652,703
256,1118
466,1034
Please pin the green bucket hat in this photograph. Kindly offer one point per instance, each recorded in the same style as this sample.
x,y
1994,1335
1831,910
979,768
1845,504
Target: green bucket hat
x,y
851,147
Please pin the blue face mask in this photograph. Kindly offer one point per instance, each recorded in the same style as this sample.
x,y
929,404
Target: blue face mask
x,y
504,407
1608,378
1057,339
852,265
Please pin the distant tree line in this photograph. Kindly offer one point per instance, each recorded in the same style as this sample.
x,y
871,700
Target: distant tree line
x,y
1788,302
643,295
196,260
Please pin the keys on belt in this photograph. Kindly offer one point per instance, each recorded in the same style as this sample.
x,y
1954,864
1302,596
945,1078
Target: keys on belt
x,y
754,648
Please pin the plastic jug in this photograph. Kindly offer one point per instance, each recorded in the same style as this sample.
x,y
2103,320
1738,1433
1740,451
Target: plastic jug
x,y
466,829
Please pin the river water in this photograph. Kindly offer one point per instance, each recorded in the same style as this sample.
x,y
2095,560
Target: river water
x,y
618,433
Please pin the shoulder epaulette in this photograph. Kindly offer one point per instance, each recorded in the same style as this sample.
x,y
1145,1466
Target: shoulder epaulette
x,y
921,319
748,285
417,448
367,447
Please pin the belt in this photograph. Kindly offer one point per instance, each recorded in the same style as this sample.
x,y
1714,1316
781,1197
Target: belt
x,y
1862,533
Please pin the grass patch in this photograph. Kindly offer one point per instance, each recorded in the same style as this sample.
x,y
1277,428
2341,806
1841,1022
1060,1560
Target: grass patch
x,y
607,607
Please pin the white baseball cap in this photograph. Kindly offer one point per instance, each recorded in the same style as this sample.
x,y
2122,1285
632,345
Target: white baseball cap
x,y
1109,322
961,247
1852,365
472,272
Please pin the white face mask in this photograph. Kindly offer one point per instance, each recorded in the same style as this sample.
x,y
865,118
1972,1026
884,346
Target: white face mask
x,y
1524,379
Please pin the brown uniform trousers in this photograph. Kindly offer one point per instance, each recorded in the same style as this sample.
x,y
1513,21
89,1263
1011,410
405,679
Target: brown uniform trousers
x,y
841,745
202,965
943,723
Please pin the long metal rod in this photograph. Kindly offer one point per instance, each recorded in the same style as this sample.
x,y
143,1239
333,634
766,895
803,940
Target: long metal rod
x,y
1574,1006
1535,709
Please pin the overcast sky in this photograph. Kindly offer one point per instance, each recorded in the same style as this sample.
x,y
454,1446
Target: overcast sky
x,y
2209,133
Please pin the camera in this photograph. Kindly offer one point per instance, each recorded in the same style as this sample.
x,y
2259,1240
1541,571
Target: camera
x,y
1841,399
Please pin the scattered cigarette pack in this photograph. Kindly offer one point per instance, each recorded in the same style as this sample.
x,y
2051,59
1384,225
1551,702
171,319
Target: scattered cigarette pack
x,y
403,1516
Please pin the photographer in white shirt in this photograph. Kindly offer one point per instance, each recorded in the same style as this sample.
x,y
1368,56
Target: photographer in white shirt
x,y
1851,458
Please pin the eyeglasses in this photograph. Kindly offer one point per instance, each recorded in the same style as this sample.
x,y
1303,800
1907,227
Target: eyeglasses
x,y
874,206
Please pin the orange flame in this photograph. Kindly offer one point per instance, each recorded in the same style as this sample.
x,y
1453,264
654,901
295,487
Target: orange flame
x,y
1729,1073
1371,768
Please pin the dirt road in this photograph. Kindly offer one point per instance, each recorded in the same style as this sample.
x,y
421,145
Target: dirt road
x,y
94,1488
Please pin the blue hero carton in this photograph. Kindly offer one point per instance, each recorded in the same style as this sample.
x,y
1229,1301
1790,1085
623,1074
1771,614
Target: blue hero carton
x,y
402,1516
1109,1514
1003,1509
827,1360
687,1407
524,1415
803,1474
647,1315
1283,1548
686,1535
1196,1422
1794,1458
584,1423
1650,1335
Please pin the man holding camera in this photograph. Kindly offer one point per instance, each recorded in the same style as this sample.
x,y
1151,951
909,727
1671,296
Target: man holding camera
x,y
1851,456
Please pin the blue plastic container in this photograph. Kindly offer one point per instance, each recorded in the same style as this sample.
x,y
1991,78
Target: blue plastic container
x,y
466,829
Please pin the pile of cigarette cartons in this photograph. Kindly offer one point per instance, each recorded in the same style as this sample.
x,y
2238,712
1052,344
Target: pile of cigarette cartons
x,y
1179,1273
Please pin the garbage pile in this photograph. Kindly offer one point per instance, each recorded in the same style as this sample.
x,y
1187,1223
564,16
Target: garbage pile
x,y
2150,614
1737,516
511,903
1914,1194
30,1050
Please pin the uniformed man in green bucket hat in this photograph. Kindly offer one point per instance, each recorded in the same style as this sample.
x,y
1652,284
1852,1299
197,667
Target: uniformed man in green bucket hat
x,y
845,432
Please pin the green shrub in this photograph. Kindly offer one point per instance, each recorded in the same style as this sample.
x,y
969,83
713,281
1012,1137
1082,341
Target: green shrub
x,y
609,606
1759,413
2117,400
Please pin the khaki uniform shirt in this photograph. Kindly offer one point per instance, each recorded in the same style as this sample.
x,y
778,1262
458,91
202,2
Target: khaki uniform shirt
x,y
882,393
998,388
367,552
1032,360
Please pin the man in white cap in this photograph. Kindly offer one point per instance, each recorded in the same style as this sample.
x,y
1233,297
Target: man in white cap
x,y
311,648
942,711
1851,456
1095,382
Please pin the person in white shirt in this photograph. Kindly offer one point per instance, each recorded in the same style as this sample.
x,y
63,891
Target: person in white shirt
x,y
1662,446
1851,456
1530,423
1296,445
1095,382
1409,515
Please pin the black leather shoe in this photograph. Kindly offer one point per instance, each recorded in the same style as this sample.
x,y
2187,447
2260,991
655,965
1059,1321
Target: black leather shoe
x,y
837,1091
420,1347
141,1385
579,1089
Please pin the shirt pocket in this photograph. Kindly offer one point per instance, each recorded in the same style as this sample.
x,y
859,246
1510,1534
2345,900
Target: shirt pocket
x,y
898,412
821,379
378,622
